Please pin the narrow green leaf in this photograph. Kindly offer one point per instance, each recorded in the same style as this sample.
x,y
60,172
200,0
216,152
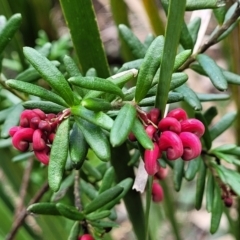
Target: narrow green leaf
x,y
208,97
78,147
192,168
44,208
29,75
95,83
75,230
219,14
69,212
217,209
98,118
85,35
226,148
11,120
178,171
103,198
88,189
104,224
137,48
206,136
36,91
71,66
107,180
172,35
190,97
132,64
50,73
141,135
210,113
210,192
222,125
98,215
91,72
96,104
58,156
149,68
213,71
193,28
200,185
91,170
203,4
122,125
181,58
96,139
9,29
45,106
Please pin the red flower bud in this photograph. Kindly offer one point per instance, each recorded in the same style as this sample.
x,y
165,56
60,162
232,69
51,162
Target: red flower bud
x,y
228,201
43,155
157,192
22,138
150,159
178,113
50,116
194,126
86,237
40,113
45,126
169,123
34,122
154,115
131,137
13,130
162,173
38,141
192,146
150,130
51,137
26,117
172,144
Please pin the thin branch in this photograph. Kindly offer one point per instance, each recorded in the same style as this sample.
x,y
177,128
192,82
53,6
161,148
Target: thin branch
x,y
78,204
214,39
20,220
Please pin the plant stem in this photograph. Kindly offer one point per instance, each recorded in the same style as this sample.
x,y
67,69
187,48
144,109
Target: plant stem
x,y
148,204
77,199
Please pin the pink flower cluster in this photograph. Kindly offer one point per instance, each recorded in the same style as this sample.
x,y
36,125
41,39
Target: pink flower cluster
x,y
176,134
36,131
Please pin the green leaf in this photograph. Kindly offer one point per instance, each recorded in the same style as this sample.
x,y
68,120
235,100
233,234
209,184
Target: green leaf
x,y
226,148
222,125
88,189
149,68
141,135
217,209
229,177
203,4
44,208
181,58
49,73
96,104
71,67
85,35
213,71
75,230
91,72
78,147
95,83
137,48
210,191
122,125
58,156
107,180
9,29
219,14
96,139
193,28
103,198
36,91
209,114
45,106
132,64
98,118
11,120
178,171
98,215
200,185
208,97
192,168
91,170
206,136
189,96
172,35
69,212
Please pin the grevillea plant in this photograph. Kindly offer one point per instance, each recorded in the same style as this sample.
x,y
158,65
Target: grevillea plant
x,y
99,141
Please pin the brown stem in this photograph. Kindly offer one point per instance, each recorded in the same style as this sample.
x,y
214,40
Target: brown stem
x,y
214,38
23,188
21,217
78,204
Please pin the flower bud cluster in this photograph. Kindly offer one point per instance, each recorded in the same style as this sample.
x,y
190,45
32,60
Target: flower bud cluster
x,y
36,131
85,237
176,135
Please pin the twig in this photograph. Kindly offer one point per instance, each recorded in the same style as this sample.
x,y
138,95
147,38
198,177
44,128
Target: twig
x,y
19,221
78,204
214,39
24,186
